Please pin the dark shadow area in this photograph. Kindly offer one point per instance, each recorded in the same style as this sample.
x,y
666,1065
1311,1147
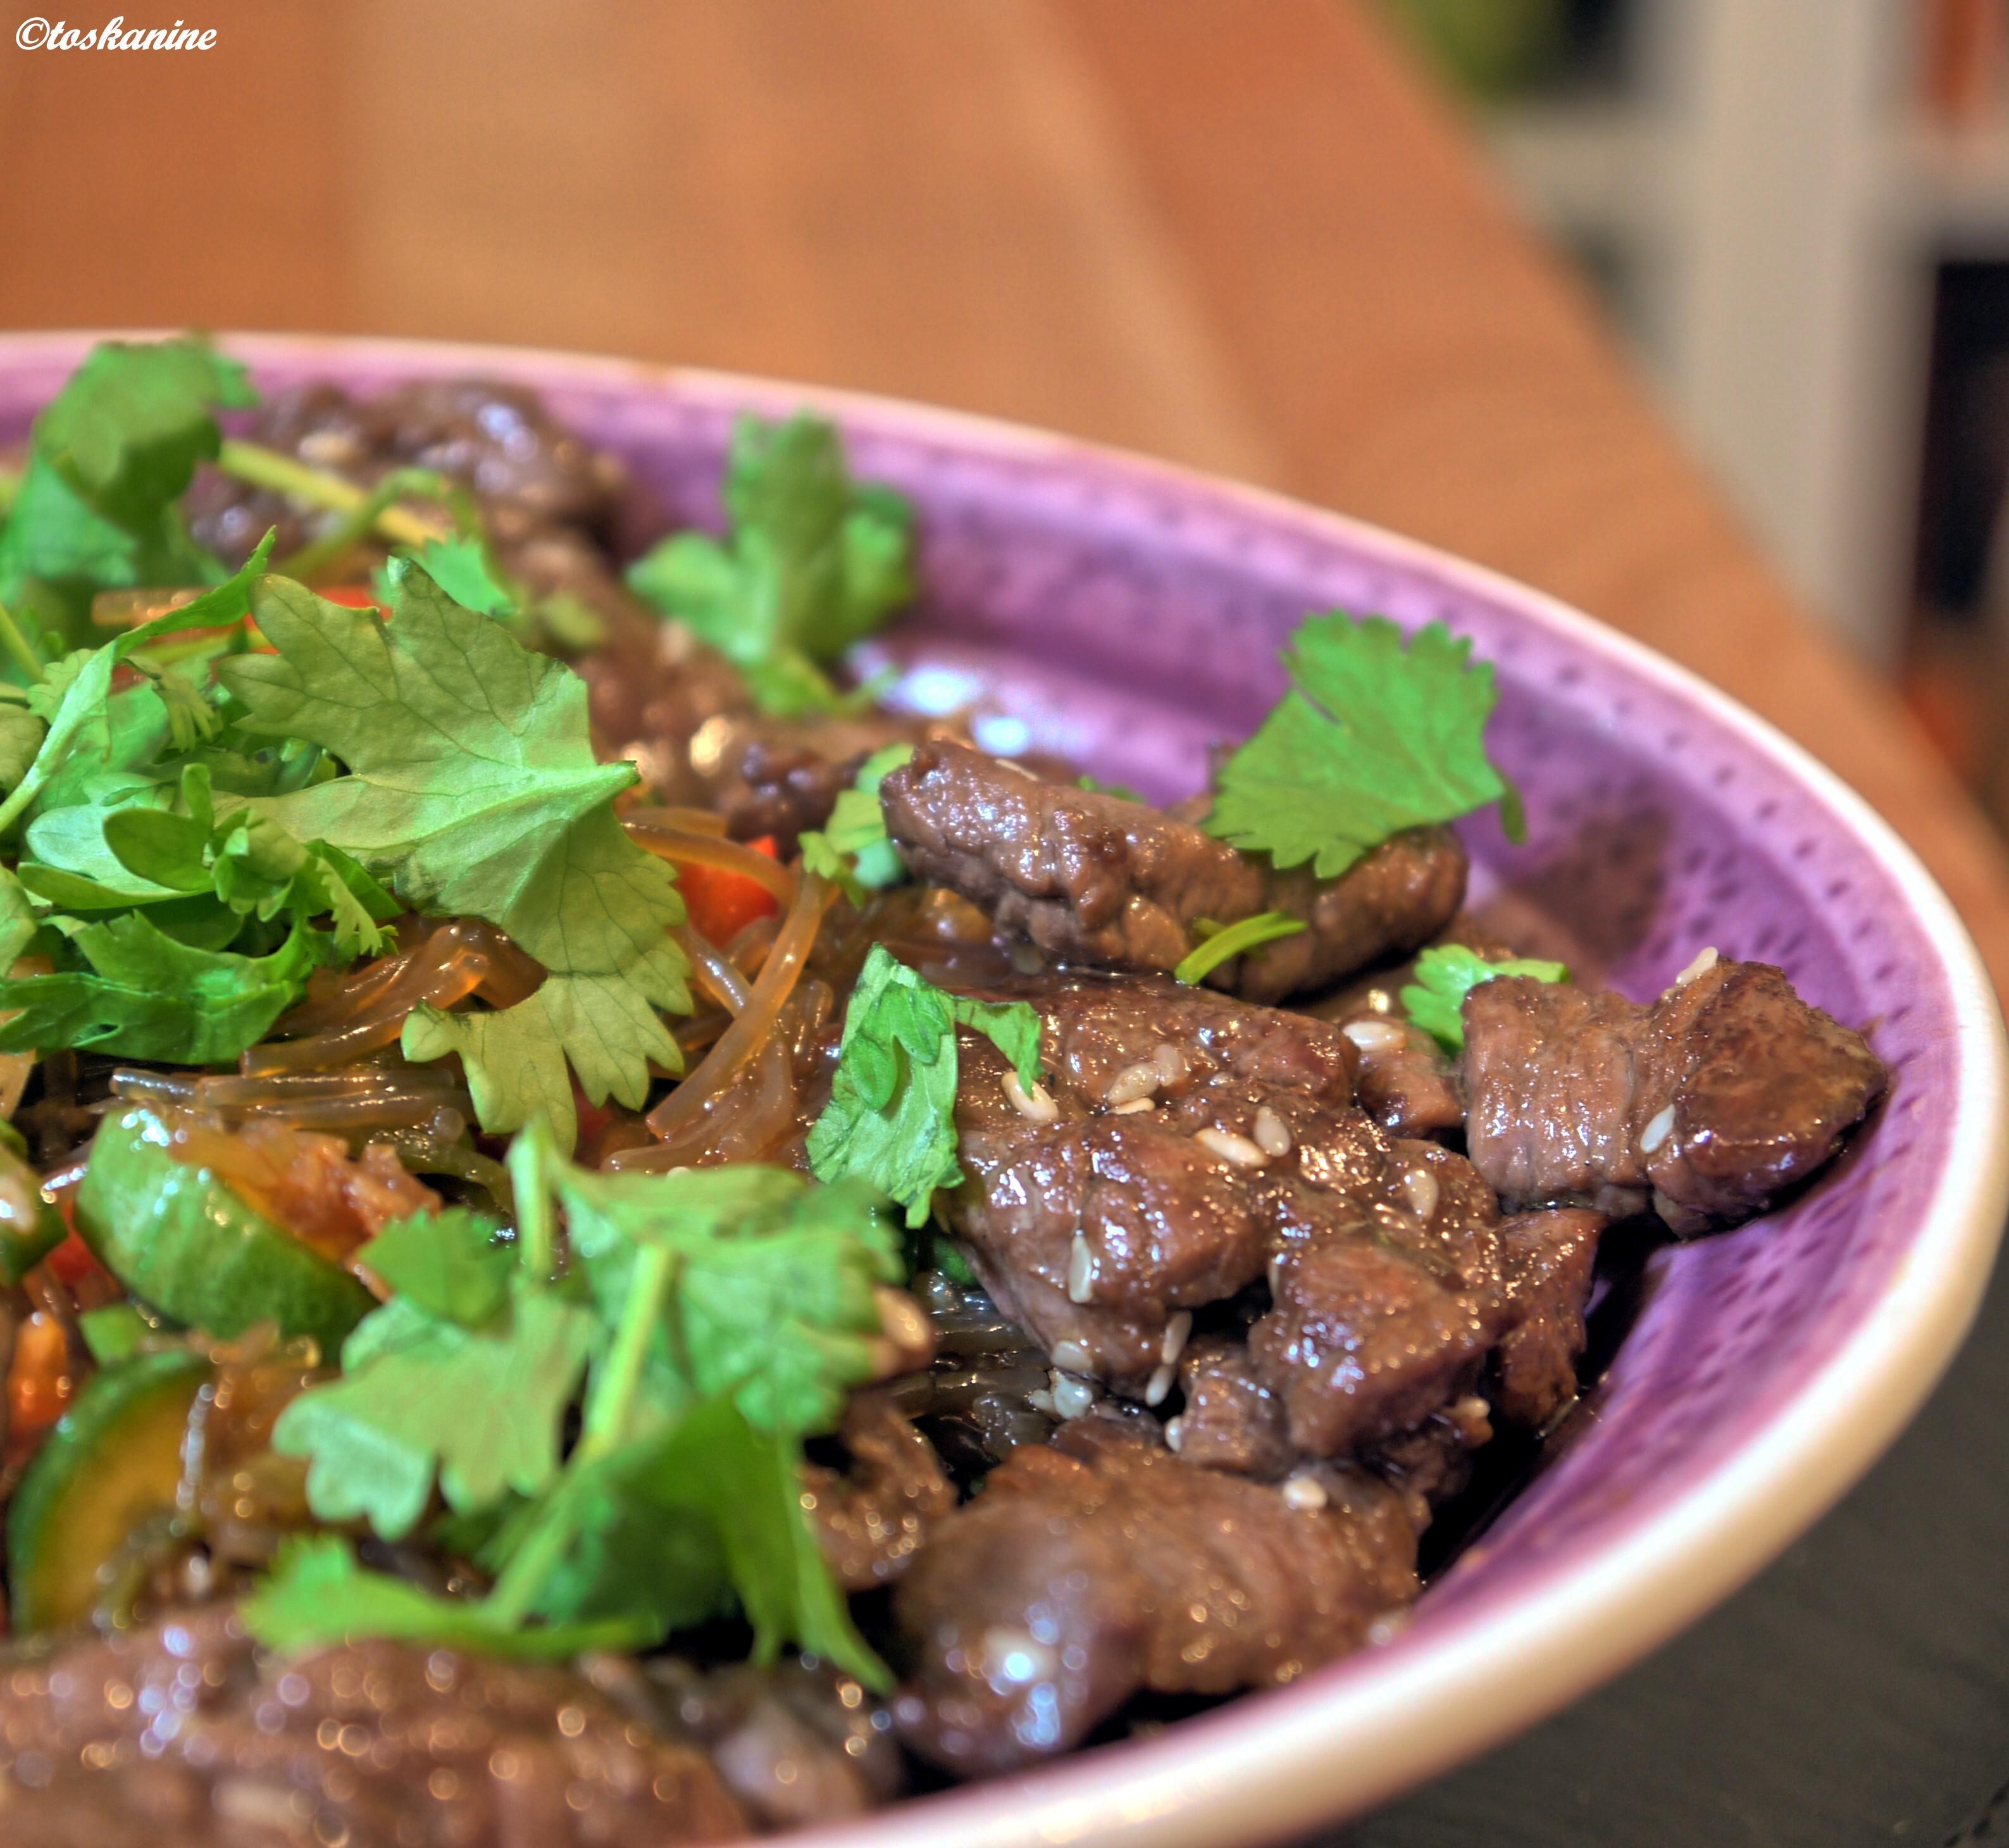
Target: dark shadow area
x,y
1857,1692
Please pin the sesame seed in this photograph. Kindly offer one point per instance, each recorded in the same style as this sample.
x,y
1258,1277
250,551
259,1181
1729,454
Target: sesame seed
x,y
1037,1104
1657,1131
1175,1433
1169,1062
1134,1081
1272,1136
1704,961
1176,1331
1071,1397
1230,1148
1159,1384
1419,1187
1305,1493
1074,1356
1135,1105
1373,1036
1081,1270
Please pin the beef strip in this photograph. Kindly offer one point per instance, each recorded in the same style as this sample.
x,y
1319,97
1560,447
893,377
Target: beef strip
x,y
1550,1257
870,1518
1727,1090
1105,1565
1198,1146
177,1734
1093,878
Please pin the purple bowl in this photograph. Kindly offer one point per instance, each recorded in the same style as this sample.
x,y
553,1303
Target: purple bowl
x,y
1127,614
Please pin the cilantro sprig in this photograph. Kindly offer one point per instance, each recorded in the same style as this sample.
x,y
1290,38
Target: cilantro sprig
x,y
811,561
1374,735
1448,972
699,1323
853,848
96,507
890,1120
469,787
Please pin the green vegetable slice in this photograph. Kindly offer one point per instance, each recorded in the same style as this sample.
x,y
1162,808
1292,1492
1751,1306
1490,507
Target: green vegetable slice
x,y
113,1461
30,1227
176,1237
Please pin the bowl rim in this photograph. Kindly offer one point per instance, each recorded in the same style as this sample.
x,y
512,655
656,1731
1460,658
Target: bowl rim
x,y
1307,1754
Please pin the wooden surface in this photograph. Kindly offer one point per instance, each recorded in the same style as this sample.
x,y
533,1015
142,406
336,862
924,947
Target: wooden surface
x,y
1239,233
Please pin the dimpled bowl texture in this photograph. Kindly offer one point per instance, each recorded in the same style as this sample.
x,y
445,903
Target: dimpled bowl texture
x,y
1128,614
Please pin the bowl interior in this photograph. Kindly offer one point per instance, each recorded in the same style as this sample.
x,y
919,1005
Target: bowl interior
x,y
1130,617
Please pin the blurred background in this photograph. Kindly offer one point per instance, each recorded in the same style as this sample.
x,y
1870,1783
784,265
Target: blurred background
x,y
1797,214
1264,237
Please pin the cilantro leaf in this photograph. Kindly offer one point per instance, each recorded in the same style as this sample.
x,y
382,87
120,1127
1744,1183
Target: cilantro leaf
x,y
514,1060
773,1307
811,563
131,423
17,921
447,1264
420,1396
854,849
146,996
317,1595
473,789
891,1119
1448,972
77,700
110,457
747,1480
1373,737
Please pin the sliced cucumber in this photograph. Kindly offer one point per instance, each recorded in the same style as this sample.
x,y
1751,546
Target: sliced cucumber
x,y
30,1228
176,1237
113,1459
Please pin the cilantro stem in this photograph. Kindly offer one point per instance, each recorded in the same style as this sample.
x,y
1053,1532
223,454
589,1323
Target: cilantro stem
x,y
608,1406
10,488
287,475
528,1161
317,554
16,645
1265,927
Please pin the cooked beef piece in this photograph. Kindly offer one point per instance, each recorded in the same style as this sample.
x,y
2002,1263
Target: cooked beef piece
x,y
682,711
1093,878
178,1735
1707,1102
796,1742
1105,1565
1404,1083
1232,1420
533,477
871,1517
1094,1230
1550,1257
1196,1145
